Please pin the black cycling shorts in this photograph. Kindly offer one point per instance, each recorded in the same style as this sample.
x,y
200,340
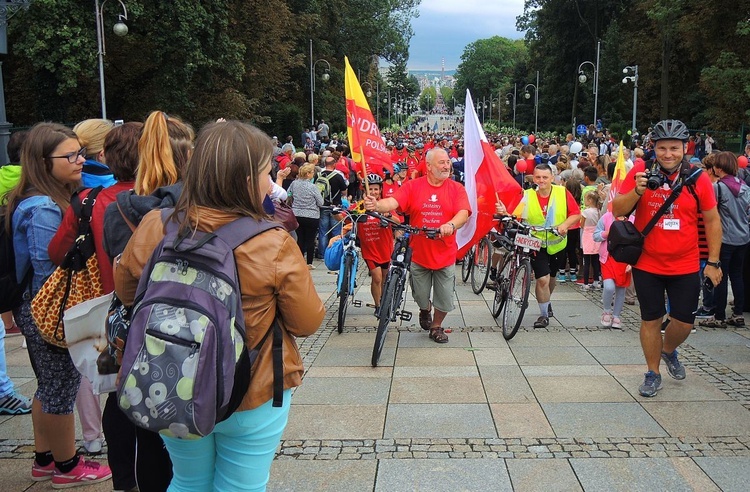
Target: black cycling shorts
x,y
543,263
681,290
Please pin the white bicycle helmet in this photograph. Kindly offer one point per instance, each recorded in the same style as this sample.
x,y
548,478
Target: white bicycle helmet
x,y
373,178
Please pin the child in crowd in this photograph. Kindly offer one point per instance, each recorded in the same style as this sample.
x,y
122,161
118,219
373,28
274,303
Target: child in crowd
x,y
573,185
376,242
589,219
616,275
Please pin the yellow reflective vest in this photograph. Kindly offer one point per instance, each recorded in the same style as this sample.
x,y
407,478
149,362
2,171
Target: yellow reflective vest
x,y
558,207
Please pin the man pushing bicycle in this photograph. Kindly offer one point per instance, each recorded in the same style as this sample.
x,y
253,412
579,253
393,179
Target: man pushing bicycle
x,y
434,200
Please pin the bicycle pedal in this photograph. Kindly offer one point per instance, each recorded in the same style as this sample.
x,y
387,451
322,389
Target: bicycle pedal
x,y
357,303
405,315
332,272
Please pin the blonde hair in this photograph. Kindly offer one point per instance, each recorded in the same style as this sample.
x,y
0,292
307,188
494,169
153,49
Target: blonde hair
x,y
164,148
593,196
299,154
91,133
306,171
313,158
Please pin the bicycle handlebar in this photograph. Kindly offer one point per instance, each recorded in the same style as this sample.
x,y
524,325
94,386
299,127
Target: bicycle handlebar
x,y
429,232
519,222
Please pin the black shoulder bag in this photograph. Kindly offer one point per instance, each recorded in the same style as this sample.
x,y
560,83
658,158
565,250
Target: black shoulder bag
x,y
625,242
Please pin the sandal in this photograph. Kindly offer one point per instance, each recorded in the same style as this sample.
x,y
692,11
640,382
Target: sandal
x,y
713,323
736,320
425,318
438,335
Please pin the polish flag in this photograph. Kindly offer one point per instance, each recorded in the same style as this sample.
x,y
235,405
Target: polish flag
x,y
486,180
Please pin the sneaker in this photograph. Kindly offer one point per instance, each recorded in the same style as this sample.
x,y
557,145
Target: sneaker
x,y
85,472
93,447
736,320
585,287
616,323
702,312
573,277
651,384
675,369
14,404
606,319
541,322
561,278
41,473
597,285
311,267
713,323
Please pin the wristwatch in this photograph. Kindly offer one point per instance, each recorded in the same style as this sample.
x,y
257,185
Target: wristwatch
x,y
715,264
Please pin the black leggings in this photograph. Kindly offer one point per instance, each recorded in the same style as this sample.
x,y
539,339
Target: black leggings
x,y
571,251
307,235
588,261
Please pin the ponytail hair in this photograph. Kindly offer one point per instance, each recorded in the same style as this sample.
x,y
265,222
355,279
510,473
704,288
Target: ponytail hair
x,y
164,149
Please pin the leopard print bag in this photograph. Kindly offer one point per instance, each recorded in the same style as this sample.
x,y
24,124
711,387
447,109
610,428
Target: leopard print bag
x,y
76,280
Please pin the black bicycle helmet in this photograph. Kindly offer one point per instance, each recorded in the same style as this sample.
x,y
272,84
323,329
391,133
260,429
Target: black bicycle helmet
x,y
374,179
670,129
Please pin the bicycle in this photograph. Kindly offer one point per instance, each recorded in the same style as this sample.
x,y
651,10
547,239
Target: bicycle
x,y
480,271
468,264
347,275
514,276
392,300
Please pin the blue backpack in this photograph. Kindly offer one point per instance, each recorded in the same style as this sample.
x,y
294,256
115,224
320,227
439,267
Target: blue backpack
x,y
186,365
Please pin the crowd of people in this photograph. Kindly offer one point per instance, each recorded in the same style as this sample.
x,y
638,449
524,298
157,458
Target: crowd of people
x,y
233,169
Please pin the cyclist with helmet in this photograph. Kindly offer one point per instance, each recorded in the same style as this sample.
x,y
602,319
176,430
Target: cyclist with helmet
x,y
669,262
376,242
389,185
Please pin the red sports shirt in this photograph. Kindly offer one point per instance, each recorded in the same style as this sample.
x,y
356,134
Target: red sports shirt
x,y
672,250
432,206
376,242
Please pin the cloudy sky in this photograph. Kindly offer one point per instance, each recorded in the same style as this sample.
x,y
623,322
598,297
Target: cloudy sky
x,y
445,27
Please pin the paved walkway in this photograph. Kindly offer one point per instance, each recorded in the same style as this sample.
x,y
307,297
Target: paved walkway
x,y
553,409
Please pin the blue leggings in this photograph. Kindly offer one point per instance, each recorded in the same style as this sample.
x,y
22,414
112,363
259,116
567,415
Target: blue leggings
x,y
237,455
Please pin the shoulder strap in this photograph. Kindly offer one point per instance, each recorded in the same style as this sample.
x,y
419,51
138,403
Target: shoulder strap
x,y
243,229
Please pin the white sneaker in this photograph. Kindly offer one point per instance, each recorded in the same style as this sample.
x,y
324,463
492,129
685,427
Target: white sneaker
x,y
585,287
93,447
616,323
607,319
597,285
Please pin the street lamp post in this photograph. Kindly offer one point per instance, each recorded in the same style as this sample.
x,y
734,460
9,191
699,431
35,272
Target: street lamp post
x,y
514,103
120,29
377,99
536,99
634,79
582,77
325,77
7,10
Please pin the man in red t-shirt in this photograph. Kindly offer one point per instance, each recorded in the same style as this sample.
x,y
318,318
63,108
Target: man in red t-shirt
x,y
434,200
670,259
376,242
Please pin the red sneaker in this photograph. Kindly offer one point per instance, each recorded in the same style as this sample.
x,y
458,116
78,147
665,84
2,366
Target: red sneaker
x,y
85,473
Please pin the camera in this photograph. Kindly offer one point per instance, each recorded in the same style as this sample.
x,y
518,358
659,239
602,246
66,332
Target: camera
x,y
655,179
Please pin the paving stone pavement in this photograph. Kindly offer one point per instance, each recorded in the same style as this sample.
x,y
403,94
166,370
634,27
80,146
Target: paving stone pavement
x,y
552,409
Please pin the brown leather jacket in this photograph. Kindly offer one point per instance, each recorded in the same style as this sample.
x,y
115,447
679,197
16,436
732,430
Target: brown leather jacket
x,y
273,276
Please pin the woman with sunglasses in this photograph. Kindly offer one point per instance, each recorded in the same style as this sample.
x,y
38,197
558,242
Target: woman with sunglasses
x,y
52,160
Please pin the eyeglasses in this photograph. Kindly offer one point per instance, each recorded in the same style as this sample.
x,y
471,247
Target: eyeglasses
x,y
72,157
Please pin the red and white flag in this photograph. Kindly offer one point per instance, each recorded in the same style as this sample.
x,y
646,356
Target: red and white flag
x,y
486,179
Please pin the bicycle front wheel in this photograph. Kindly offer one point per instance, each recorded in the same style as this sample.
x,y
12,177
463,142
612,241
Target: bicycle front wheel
x,y
481,269
518,299
346,280
388,307
503,285
467,264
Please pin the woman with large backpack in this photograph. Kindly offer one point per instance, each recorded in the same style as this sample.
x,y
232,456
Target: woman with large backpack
x,y
53,161
227,179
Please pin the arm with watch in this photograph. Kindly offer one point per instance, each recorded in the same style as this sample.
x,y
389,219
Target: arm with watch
x,y
458,220
712,221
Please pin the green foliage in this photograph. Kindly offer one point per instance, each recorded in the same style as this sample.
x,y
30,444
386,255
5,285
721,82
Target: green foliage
x,y
428,98
487,66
